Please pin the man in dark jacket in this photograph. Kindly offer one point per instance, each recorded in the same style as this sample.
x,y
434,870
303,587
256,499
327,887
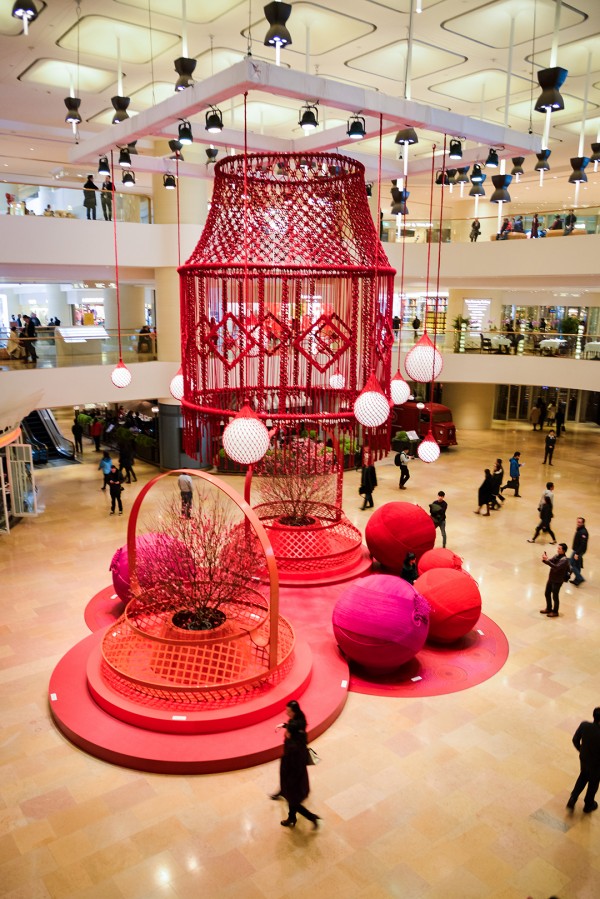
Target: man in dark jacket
x,y
558,574
368,483
580,544
30,335
515,473
586,741
115,479
550,443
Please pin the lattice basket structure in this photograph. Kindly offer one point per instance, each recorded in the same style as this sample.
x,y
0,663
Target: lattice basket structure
x,y
286,300
149,657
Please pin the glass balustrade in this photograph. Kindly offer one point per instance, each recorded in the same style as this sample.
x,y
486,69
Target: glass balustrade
x,y
67,202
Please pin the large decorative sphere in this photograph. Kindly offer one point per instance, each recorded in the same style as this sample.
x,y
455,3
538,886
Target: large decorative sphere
x,y
455,603
120,375
380,622
371,406
439,558
337,381
176,386
396,529
246,439
399,389
429,450
424,362
152,550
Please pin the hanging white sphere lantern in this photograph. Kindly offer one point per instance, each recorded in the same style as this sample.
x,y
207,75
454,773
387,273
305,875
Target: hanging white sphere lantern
x,y
372,407
429,450
246,439
176,385
121,376
337,380
399,389
424,362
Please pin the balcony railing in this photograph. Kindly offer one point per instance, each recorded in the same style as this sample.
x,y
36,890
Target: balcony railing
x,y
80,346
67,203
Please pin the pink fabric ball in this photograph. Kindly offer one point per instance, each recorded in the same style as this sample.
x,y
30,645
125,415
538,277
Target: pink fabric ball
x,y
380,622
455,603
396,529
151,549
439,558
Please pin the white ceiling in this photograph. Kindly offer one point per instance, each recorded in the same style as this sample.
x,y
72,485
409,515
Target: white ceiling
x,y
460,55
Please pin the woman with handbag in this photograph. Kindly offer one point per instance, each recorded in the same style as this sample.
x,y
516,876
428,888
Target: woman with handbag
x,y
293,768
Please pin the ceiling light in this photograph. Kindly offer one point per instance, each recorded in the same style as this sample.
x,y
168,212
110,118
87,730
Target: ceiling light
x,y
120,105
124,158
277,15
500,195
462,177
73,104
169,181
542,163
550,81
128,177
451,175
175,148
477,185
578,164
492,160
517,162
211,153
184,68
595,157
26,11
132,148
103,166
369,189
309,117
399,198
185,133
455,151
442,178
406,136
214,121
477,175
356,129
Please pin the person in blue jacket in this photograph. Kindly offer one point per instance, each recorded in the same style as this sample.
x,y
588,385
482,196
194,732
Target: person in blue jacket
x,y
104,465
515,473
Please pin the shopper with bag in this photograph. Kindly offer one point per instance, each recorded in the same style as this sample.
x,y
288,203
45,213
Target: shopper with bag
x,y
368,483
294,785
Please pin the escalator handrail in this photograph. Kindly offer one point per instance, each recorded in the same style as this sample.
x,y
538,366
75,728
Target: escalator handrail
x,y
61,443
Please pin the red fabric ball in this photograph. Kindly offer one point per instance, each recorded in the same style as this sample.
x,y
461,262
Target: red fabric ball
x,y
455,603
396,529
380,622
439,558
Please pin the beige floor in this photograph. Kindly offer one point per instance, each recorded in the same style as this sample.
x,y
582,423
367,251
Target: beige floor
x,y
453,796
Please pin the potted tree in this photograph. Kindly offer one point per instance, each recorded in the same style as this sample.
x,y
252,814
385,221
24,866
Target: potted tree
x,y
295,478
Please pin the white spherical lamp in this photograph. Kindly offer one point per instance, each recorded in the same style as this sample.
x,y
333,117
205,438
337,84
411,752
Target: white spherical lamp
x,y
371,407
429,450
424,362
246,439
337,381
399,389
121,376
176,385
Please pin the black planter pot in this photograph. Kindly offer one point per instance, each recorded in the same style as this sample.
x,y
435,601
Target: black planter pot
x,y
207,620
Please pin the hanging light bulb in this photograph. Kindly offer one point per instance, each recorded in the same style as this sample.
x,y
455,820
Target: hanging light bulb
x,y
121,376
399,389
337,381
103,166
277,15
213,122
371,406
26,11
424,361
176,385
246,439
429,449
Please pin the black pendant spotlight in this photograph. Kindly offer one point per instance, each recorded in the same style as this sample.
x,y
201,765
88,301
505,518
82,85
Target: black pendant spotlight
x,y
356,128
211,155
72,116
501,194
184,66
550,100
124,158
128,178
277,14
185,136
477,175
492,160
578,164
169,181
103,166
595,157
517,168
26,11
406,136
441,178
542,164
455,151
309,117
213,121
175,148
120,105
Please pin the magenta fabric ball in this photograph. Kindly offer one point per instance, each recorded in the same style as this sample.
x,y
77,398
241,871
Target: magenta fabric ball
x,y
380,622
439,558
152,550
396,529
455,603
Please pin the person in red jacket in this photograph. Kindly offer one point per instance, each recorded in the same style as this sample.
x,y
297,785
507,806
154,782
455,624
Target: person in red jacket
x,y
96,431
558,574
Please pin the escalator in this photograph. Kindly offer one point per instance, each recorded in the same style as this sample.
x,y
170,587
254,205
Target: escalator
x,y
39,451
40,425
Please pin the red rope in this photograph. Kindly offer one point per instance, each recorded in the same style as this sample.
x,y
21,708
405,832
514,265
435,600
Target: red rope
x,y
439,262
118,291
430,235
178,217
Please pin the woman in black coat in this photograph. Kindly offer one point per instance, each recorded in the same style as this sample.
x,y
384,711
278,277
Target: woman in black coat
x,y
485,494
368,483
292,772
497,478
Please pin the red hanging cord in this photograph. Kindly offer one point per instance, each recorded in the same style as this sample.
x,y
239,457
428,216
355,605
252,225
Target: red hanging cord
x,y
430,235
118,292
439,263
178,216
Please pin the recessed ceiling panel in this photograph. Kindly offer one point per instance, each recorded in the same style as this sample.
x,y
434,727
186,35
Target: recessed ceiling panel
x,y
592,128
488,84
573,108
402,5
98,36
152,94
390,61
59,73
490,24
198,12
317,29
220,58
573,56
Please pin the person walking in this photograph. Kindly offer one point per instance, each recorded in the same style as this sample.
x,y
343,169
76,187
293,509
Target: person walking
x,y
580,545
106,198
30,335
115,481
514,471
368,483
126,460
546,516
293,773
475,231
549,444
89,197
404,472
105,465
96,431
586,741
77,432
437,510
186,489
548,493
558,574
416,325
497,478
485,493
550,415
559,419
534,417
